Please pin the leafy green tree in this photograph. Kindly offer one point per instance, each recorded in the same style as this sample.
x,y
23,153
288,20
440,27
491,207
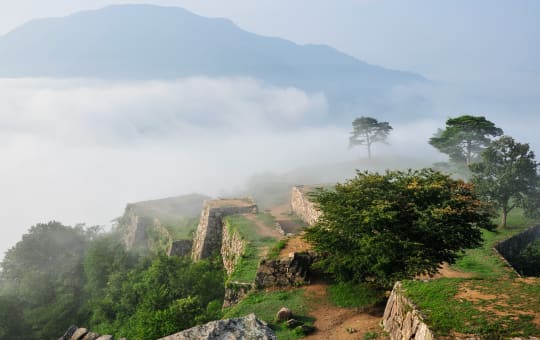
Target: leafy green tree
x,y
381,228
367,130
465,138
44,273
507,177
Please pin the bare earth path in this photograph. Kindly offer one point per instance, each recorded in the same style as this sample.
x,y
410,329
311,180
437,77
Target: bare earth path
x,y
332,322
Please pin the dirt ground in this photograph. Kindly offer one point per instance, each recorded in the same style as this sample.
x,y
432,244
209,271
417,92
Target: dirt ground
x,y
333,322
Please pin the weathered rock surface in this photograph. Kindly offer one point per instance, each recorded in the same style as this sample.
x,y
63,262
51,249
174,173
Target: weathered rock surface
x,y
302,206
283,314
180,248
402,320
232,248
76,333
210,229
291,271
245,328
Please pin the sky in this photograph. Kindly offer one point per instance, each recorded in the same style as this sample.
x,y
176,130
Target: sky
x,y
78,150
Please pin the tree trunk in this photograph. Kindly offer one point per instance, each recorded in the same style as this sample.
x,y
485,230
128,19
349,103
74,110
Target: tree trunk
x,y
504,218
369,151
468,156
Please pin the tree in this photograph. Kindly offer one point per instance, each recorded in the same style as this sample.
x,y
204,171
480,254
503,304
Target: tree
x,y
367,130
381,228
507,177
465,138
44,273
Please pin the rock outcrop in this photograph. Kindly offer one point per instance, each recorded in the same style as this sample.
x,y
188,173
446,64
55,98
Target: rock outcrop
x,y
180,248
246,328
291,271
402,320
209,234
302,206
76,333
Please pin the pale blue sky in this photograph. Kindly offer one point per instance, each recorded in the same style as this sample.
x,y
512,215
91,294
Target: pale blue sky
x,y
481,42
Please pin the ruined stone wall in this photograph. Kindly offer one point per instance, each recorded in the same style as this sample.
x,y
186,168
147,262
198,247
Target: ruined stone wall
x,y
402,320
208,238
232,248
180,248
302,206
292,271
511,247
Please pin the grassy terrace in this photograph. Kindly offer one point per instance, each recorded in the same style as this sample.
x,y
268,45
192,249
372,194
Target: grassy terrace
x,y
256,244
494,302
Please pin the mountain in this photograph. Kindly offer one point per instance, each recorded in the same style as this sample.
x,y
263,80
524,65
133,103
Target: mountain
x,y
151,42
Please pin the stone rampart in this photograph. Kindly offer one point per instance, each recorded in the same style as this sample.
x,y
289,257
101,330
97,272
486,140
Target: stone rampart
x,y
402,320
511,247
302,206
291,271
209,235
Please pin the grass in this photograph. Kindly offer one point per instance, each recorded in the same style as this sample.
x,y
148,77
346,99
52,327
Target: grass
x,y
266,304
276,249
267,219
183,228
496,303
354,295
246,269
506,309
482,262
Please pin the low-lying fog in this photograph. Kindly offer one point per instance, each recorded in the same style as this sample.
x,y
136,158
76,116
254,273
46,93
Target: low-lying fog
x,y
79,150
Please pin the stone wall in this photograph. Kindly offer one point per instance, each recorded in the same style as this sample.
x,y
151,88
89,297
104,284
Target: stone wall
x,y
180,248
402,320
232,248
143,233
208,238
302,206
234,292
292,271
511,247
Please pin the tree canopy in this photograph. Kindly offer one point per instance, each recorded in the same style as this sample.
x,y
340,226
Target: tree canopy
x,y
57,276
507,177
367,130
385,227
464,138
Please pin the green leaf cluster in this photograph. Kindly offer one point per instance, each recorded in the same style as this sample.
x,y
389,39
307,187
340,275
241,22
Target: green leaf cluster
x,y
381,228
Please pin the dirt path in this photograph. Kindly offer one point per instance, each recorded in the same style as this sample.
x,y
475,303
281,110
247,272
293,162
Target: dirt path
x,y
263,229
448,272
295,244
332,322
282,214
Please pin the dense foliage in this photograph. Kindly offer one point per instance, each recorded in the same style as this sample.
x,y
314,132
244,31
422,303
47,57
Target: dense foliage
x,y
507,177
57,276
465,138
385,227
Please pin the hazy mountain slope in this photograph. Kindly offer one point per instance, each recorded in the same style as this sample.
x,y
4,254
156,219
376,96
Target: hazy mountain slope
x,y
151,42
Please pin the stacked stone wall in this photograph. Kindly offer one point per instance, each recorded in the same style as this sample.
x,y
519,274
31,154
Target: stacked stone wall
x,y
402,320
209,235
511,247
302,206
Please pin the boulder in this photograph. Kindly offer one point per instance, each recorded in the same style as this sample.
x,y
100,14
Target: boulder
x,y
283,314
247,328
79,334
